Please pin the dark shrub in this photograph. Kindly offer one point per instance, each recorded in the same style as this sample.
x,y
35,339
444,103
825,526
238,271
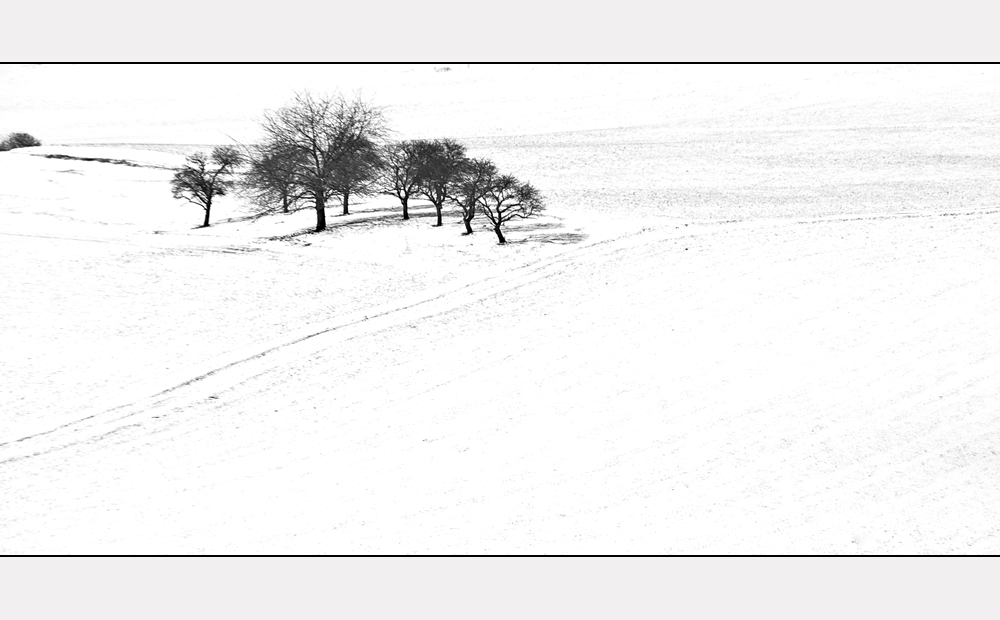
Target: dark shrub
x,y
19,140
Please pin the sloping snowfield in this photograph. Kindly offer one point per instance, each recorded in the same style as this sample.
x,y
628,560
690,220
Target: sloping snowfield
x,y
759,317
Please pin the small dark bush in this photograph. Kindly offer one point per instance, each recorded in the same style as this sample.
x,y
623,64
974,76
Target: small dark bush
x,y
19,140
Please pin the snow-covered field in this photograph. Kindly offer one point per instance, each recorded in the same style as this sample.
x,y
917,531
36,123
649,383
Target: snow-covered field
x,y
760,316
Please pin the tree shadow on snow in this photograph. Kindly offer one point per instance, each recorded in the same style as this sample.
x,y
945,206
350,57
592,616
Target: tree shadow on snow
x,y
368,220
392,218
529,226
561,238
544,232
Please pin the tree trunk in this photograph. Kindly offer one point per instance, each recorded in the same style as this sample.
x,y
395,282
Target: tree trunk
x,y
347,194
208,210
438,207
468,225
284,203
406,212
320,213
499,233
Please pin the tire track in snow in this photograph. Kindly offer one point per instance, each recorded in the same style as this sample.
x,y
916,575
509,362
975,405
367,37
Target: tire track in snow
x,y
230,369
234,368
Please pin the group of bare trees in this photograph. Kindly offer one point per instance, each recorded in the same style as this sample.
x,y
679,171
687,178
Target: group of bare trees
x,y
319,149
440,171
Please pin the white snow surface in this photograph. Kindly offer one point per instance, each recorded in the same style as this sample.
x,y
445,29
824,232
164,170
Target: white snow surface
x,y
760,316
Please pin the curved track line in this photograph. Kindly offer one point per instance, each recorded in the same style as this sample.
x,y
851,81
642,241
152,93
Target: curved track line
x,y
417,307
355,325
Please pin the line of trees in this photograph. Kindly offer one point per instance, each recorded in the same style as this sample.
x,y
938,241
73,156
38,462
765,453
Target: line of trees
x,y
441,172
320,149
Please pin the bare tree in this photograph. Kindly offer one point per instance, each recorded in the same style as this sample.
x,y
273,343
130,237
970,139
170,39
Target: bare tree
x,y
325,134
441,163
506,199
357,172
270,180
472,184
203,177
401,163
